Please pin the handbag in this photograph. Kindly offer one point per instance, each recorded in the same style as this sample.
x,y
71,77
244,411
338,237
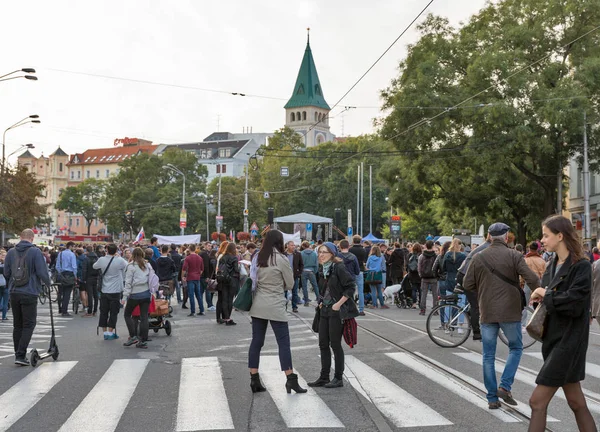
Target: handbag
x,y
537,323
374,277
162,308
243,301
316,320
505,279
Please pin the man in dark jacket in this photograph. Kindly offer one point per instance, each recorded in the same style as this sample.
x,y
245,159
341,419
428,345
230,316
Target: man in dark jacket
x,y
397,264
177,260
206,274
24,270
500,305
165,267
361,255
90,281
297,267
428,278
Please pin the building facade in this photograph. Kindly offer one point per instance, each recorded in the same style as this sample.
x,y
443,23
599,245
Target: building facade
x,y
574,202
306,111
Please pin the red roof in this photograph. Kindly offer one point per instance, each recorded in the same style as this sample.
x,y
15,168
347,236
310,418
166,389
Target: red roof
x,y
109,155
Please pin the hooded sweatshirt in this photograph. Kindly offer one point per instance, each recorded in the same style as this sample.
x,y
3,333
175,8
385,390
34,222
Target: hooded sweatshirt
x,y
375,263
427,255
309,258
36,264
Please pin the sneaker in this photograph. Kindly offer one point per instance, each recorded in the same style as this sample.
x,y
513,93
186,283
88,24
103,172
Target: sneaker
x,y
192,314
506,396
442,327
131,341
494,405
476,336
22,361
142,345
414,306
67,314
230,323
212,308
385,307
184,307
422,312
361,313
295,310
111,336
200,314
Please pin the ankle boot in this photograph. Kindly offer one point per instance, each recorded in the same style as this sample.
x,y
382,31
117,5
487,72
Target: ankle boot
x,y
255,383
292,384
320,382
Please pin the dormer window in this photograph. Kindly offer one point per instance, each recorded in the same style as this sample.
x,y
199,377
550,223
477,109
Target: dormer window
x,y
318,90
300,90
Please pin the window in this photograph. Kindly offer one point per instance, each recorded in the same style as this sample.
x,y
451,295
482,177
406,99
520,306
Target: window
x,y
223,169
218,169
221,153
107,173
300,90
87,174
316,116
96,222
97,173
303,115
70,221
318,90
78,174
293,117
225,153
60,167
72,175
298,116
77,222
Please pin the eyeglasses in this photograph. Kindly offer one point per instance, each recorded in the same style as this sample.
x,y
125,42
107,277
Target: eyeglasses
x,y
324,253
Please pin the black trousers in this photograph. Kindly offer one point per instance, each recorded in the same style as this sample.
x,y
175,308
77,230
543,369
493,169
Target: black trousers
x,y
144,304
110,305
282,335
65,298
91,288
226,296
24,307
330,335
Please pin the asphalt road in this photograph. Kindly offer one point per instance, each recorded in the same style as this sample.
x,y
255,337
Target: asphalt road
x,y
197,379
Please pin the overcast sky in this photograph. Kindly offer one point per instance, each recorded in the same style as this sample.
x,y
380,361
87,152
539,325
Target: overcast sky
x,y
253,47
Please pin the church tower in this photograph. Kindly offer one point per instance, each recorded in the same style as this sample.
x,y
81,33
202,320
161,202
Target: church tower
x,y
307,112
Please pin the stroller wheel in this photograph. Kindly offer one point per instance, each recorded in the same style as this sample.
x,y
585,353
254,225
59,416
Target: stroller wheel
x,y
155,330
168,327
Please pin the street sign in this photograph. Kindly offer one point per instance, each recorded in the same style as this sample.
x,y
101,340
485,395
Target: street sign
x,y
395,226
284,172
350,232
308,227
254,233
219,221
183,218
266,195
245,212
254,227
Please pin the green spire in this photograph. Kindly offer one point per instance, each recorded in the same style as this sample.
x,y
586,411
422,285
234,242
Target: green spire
x,y
307,91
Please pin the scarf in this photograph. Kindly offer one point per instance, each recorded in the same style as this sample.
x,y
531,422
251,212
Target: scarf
x,y
327,268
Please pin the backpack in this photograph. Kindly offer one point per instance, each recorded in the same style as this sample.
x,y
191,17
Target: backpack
x,y
413,263
20,271
92,272
428,267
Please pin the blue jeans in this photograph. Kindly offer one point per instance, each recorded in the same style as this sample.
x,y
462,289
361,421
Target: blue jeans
x,y
4,301
306,277
295,296
489,338
204,289
377,293
194,290
360,286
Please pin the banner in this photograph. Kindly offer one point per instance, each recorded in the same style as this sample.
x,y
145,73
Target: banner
x,y
292,237
178,240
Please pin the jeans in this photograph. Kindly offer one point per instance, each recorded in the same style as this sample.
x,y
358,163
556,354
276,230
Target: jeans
x,y
110,305
377,293
330,335
193,287
91,286
24,307
282,334
295,296
144,304
177,286
3,301
204,289
426,285
415,292
489,338
65,297
445,312
360,286
306,277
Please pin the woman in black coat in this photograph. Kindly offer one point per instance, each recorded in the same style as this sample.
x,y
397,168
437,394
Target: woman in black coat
x,y
337,288
567,297
229,286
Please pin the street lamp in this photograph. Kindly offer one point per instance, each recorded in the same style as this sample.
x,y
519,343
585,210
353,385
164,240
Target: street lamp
x,y
175,169
24,70
28,146
29,119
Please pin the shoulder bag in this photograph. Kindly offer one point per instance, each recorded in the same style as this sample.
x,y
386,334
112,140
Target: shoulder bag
x,y
101,275
211,282
504,279
537,323
65,277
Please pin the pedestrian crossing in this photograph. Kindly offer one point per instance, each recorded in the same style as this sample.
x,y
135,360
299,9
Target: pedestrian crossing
x,y
204,382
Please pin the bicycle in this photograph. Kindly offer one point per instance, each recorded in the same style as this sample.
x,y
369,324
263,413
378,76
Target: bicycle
x,y
456,327
76,299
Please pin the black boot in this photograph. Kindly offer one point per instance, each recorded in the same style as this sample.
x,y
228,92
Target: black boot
x,y
292,384
335,382
319,382
255,383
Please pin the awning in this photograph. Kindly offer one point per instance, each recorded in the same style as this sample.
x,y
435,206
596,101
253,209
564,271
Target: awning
x,y
303,218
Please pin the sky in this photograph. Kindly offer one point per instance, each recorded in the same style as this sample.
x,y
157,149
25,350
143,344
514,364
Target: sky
x,y
165,70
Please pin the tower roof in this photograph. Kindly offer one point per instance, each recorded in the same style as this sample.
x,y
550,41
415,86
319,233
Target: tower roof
x,y
307,91
25,155
59,152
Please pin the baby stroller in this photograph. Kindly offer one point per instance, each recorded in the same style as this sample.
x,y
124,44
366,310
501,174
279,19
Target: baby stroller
x,y
158,316
401,299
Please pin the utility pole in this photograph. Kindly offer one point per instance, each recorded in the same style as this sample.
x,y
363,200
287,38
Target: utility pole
x,y
358,201
370,199
183,210
587,237
219,203
246,203
559,189
207,227
362,197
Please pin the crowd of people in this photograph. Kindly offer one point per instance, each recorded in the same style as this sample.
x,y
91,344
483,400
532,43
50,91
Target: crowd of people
x,y
498,278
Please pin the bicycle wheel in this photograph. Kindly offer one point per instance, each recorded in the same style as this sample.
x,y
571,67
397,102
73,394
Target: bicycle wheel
x,y
527,340
456,329
53,293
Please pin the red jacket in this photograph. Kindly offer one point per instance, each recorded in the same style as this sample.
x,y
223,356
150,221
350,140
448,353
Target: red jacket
x,y
194,266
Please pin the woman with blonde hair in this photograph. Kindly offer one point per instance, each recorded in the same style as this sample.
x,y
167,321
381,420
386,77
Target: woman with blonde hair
x,y
137,293
376,269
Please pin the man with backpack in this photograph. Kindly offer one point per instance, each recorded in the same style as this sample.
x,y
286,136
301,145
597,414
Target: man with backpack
x,y
111,279
66,268
90,281
428,278
24,270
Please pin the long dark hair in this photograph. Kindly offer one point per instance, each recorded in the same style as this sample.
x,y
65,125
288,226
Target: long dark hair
x,y
231,249
445,248
560,224
273,240
138,257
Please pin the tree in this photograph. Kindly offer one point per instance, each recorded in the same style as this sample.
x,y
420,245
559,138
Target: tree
x,y
19,209
498,155
83,199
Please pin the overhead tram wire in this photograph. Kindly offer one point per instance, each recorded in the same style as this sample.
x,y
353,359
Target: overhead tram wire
x,y
372,66
427,120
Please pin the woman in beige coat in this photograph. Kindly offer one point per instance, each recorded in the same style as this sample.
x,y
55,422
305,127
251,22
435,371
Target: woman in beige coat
x,y
273,276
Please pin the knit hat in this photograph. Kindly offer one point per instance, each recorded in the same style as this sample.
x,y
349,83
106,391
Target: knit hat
x,y
331,247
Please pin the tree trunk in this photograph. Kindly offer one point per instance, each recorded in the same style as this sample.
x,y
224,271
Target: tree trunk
x,y
89,224
522,233
550,203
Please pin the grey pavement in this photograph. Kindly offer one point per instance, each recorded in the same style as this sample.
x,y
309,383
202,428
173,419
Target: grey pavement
x,y
197,379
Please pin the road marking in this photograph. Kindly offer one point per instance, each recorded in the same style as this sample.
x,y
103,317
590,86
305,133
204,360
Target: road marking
x,y
104,405
387,397
294,348
297,410
590,368
454,386
201,385
529,378
21,397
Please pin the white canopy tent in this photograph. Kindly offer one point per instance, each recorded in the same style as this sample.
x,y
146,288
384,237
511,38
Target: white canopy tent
x,y
178,240
300,220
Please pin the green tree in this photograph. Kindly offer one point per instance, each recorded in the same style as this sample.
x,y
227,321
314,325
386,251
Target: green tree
x,y
19,208
83,199
498,155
